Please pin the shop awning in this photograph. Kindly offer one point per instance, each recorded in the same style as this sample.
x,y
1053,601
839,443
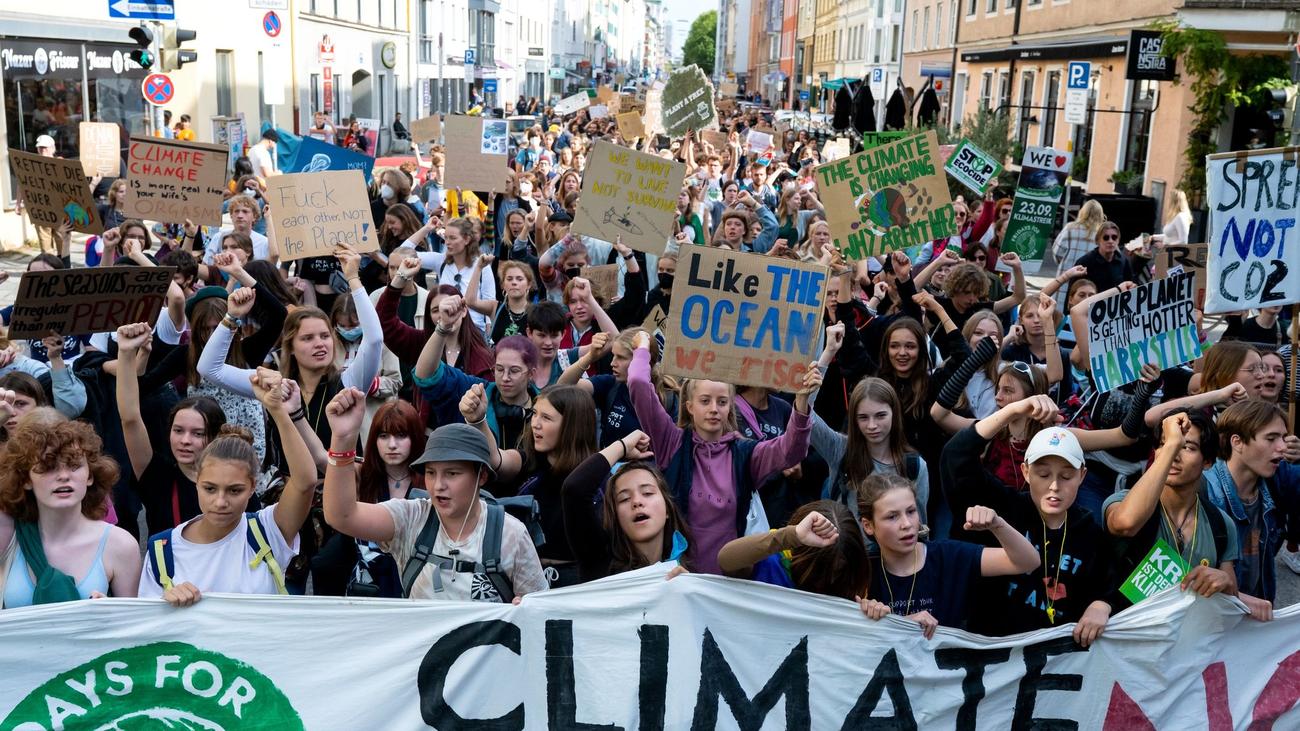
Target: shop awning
x,y
835,84
1072,49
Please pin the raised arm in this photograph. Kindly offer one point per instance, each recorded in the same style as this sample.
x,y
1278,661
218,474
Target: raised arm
x,y
450,311
573,375
295,502
665,436
1127,517
212,364
1016,556
68,392
346,514
1017,295
361,372
473,409
790,448
138,447
946,259
1050,289
485,307
1229,394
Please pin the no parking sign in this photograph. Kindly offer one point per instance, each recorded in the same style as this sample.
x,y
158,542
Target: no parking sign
x,y
271,23
157,89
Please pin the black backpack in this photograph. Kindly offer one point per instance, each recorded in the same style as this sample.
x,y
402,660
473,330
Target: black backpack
x,y
523,508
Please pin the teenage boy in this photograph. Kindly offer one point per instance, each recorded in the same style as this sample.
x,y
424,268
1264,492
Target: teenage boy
x,y
1251,485
456,466
1073,582
1169,503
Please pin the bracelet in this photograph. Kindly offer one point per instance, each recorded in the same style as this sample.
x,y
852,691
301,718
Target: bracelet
x,y
623,444
339,459
479,422
629,257
234,323
298,415
443,331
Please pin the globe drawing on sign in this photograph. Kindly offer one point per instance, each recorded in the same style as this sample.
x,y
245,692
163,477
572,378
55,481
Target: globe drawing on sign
x,y
160,718
318,164
78,215
882,210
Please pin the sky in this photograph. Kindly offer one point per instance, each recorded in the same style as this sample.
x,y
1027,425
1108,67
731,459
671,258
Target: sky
x,y
687,10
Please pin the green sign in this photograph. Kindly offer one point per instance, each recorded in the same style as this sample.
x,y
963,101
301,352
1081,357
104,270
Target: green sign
x,y
163,685
973,168
1161,569
1038,201
876,139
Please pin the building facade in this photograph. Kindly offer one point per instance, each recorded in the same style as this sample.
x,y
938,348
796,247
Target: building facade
x,y
930,49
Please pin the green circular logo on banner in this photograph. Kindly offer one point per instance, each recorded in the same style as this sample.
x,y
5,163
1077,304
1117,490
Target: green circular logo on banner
x,y
164,685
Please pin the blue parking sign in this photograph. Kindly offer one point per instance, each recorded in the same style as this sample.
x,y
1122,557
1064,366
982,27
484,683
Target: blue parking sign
x,y
1078,75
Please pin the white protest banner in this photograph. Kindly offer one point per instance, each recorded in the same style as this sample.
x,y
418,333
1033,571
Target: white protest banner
x,y
748,319
172,181
759,141
100,145
630,194
1151,323
688,102
1253,198
83,301
972,167
311,213
55,190
888,197
572,103
476,153
632,652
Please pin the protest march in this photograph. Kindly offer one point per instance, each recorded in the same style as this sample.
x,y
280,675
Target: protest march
x,y
651,401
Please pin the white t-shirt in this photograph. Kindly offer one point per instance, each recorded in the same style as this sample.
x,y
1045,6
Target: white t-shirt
x,y
263,163
518,556
457,277
212,247
223,566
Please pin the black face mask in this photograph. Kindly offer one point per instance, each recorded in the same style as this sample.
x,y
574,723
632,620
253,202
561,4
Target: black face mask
x,y
666,280
573,272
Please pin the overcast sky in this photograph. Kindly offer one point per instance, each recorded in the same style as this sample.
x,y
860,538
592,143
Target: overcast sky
x,y
687,10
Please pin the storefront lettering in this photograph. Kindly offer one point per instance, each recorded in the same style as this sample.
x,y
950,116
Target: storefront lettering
x,y
39,59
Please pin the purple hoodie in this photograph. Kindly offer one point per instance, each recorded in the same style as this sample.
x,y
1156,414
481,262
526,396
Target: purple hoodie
x,y
712,509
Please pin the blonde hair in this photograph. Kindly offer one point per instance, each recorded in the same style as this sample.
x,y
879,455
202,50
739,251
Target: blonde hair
x,y
1091,217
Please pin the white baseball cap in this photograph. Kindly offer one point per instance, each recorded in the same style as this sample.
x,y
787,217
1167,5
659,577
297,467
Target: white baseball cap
x,y
44,141
1055,442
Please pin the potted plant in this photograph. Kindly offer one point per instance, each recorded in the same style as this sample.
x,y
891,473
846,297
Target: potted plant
x,y
1127,182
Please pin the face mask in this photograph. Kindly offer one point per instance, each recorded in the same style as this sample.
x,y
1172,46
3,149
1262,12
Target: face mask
x,y
385,191
250,192
525,188
666,280
350,334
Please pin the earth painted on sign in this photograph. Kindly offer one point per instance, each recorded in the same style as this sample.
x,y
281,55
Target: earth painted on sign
x,y
163,685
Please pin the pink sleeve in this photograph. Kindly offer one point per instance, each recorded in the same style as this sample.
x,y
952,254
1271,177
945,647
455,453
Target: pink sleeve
x,y
665,436
785,451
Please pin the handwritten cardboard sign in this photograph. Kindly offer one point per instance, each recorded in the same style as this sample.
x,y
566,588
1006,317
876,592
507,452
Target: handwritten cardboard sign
x,y
572,104
312,213
654,109
728,88
473,160
171,181
688,102
1251,210
427,129
605,95
630,194
101,148
604,282
83,301
630,103
743,318
886,198
717,139
1152,323
1191,257
630,126
55,190
759,141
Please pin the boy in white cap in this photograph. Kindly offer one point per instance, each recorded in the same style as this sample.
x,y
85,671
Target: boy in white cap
x,y
1073,582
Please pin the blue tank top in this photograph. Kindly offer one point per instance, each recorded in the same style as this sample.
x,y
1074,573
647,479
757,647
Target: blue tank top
x,y
19,586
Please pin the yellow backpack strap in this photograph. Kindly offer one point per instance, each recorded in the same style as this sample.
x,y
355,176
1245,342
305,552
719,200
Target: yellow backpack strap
x,y
264,554
160,563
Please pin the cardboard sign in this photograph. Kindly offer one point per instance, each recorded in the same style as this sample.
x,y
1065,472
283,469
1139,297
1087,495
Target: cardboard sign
x,y
55,190
315,156
688,102
726,106
1152,323
655,320
1253,201
759,142
311,213
972,167
605,95
170,181
654,110
1191,257
886,198
743,318
91,300
597,111
101,148
876,139
630,194
717,139
836,149
1037,204
604,282
630,103
630,126
1160,569
572,104
427,129
472,163
728,88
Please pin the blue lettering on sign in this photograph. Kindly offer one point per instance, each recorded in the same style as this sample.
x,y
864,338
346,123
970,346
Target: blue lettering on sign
x,y
1257,239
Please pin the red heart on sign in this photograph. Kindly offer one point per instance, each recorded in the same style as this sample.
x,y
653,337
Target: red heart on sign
x,y
1060,161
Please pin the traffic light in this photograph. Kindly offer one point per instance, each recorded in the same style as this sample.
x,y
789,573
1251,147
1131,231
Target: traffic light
x,y
144,54
173,56
1282,110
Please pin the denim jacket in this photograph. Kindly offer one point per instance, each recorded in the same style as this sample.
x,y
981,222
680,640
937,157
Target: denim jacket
x,y
1223,493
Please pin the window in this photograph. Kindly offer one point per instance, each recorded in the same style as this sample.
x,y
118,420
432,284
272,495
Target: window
x,y
880,8
970,7
925,28
1083,135
992,8
986,84
916,26
1050,98
1011,4
267,114
482,36
897,45
878,43
952,25
1004,89
1142,111
225,83
938,25
426,31
1024,112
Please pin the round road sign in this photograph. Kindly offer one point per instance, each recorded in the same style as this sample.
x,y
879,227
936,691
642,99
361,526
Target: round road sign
x,y
271,24
157,89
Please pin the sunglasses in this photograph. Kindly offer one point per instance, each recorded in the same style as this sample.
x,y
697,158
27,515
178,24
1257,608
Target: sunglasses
x,y
1110,238
1022,367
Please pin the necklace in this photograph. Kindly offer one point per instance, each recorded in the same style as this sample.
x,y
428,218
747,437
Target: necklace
x,y
890,585
1060,559
1178,532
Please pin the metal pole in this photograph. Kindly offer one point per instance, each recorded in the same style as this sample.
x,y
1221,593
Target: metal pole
x,y
157,115
442,86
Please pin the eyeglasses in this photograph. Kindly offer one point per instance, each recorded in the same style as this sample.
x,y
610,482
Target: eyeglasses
x,y
1258,369
512,372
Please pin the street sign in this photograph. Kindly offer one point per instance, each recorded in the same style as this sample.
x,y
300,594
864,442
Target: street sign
x,y
489,86
1076,92
469,56
877,76
803,95
142,9
271,24
157,89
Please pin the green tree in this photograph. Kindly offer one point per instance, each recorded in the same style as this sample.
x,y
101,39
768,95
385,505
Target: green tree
x,y
699,48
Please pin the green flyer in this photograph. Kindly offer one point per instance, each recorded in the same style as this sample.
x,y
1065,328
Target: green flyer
x,y
1161,569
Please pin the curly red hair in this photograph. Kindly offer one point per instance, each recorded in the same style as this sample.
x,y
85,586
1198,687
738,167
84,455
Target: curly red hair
x,y
38,444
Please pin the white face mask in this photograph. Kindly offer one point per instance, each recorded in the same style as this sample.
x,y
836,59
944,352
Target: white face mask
x,y
385,191
525,188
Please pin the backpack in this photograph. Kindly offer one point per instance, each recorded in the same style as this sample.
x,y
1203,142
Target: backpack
x,y
162,562
522,507
375,573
